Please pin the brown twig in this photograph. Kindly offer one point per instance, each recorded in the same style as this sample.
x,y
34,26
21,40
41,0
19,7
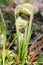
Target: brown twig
x,y
36,42
33,56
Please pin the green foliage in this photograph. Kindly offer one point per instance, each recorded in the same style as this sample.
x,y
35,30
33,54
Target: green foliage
x,y
39,60
3,2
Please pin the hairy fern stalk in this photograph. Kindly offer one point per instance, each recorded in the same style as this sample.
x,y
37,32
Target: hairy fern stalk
x,y
23,45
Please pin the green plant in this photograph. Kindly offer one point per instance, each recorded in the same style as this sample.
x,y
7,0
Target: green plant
x,y
39,60
3,2
22,46
4,33
22,50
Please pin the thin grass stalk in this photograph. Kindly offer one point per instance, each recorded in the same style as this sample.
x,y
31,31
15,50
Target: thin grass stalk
x,y
4,45
18,40
4,33
30,28
15,37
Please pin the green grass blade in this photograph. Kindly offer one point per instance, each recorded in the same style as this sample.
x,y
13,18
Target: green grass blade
x,y
15,37
19,45
4,33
